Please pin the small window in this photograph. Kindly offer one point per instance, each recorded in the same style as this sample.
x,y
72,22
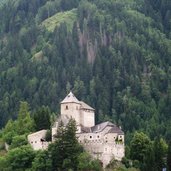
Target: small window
x,y
98,136
90,136
32,142
35,141
66,107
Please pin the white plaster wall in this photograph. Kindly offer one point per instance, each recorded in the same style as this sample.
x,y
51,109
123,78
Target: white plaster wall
x,y
87,118
54,132
111,137
72,110
35,140
120,152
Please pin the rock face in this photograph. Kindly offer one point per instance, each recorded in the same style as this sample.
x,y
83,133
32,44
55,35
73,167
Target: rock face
x,y
104,141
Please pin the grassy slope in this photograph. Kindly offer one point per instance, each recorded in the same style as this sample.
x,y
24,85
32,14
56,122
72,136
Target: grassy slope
x,y
68,17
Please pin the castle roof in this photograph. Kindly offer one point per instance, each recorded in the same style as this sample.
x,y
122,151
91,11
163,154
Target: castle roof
x,y
70,98
85,106
38,133
100,127
115,129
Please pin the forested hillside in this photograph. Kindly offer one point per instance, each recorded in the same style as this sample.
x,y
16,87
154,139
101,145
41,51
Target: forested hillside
x,y
113,54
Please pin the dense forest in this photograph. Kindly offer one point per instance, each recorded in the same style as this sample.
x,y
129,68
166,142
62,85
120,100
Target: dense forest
x,y
113,54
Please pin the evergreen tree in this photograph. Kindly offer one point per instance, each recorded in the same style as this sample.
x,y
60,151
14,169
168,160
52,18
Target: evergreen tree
x,y
160,149
169,157
24,120
140,147
20,158
42,118
66,149
42,161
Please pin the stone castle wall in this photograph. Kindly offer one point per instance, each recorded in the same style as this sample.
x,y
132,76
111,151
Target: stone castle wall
x,y
103,146
71,110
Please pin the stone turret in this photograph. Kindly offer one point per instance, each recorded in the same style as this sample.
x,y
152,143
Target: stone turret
x,y
83,114
70,108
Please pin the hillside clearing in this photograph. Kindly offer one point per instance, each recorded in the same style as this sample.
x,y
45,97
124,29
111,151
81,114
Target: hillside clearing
x,y
67,17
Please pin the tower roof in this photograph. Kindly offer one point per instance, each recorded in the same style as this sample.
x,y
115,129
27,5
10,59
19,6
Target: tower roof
x,y
70,98
85,106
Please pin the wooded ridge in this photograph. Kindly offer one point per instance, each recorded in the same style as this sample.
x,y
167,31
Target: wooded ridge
x,y
115,56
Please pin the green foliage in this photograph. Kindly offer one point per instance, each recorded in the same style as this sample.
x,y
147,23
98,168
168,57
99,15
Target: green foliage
x,y
20,158
23,125
141,151
86,163
148,155
18,141
9,131
68,17
124,44
169,157
3,163
48,135
160,151
42,161
24,120
115,55
139,146
42,118
2,145
66,149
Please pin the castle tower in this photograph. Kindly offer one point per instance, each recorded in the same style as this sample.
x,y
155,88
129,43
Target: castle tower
x,y
87,115
83,114
70,108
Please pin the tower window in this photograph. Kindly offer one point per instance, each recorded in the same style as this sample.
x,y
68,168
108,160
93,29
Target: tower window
x,y
66,107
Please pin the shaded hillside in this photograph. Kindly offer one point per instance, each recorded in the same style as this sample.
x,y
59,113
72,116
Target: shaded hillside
x,y
116,57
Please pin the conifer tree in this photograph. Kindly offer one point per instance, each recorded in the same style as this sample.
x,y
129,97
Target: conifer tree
x,y
25,123
42,118
159,153
169,157
66,149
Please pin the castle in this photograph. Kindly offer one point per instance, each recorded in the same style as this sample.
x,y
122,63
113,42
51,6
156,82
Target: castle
x,y
104,141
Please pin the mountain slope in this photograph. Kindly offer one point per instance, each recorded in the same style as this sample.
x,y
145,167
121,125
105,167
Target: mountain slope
x,y
116,57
